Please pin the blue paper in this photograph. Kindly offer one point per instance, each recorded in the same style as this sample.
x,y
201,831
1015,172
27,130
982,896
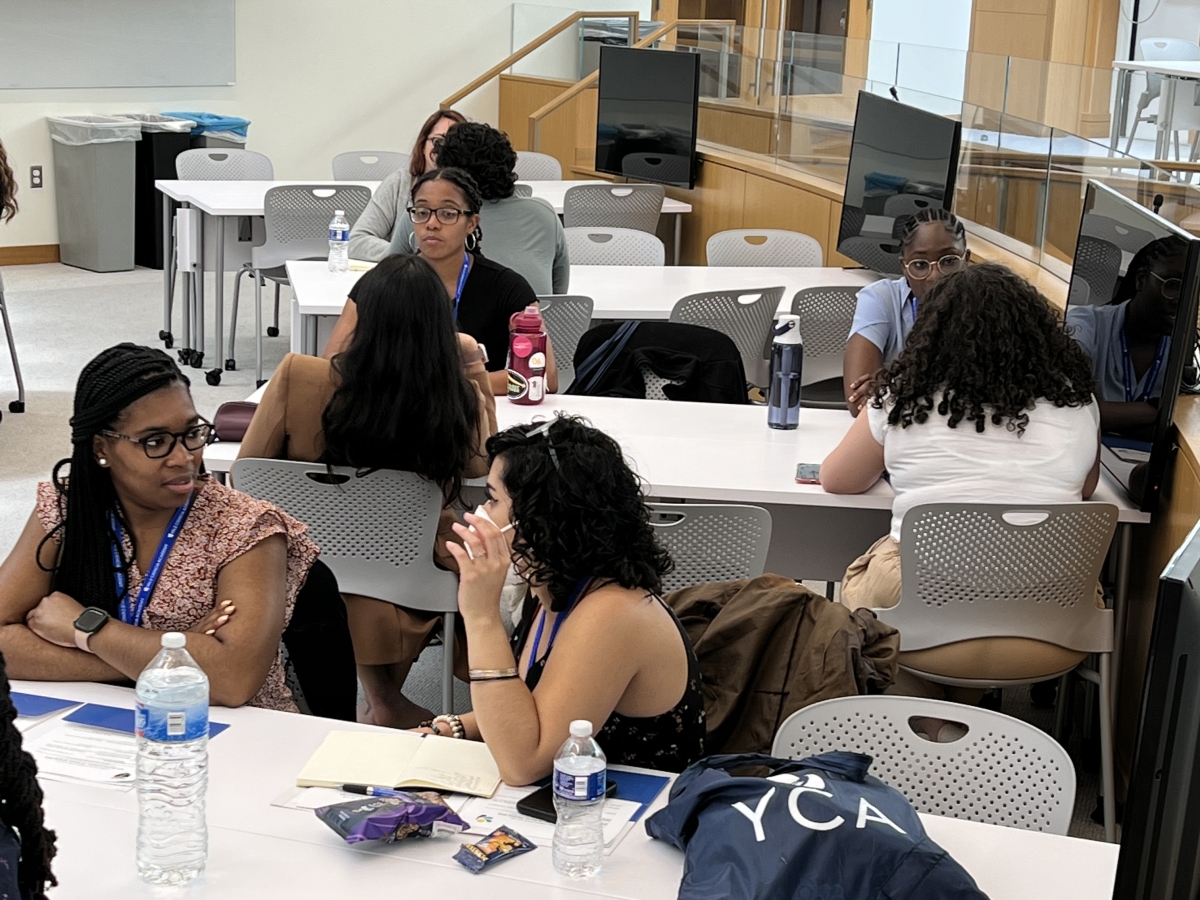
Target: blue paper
x,y
34,705
638,787
114,718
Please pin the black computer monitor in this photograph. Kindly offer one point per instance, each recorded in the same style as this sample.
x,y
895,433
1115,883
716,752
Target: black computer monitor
x,y
1127,255
902,160
1160,835
648,106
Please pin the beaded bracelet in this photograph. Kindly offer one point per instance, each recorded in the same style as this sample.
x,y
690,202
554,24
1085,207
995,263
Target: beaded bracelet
x,y
455,723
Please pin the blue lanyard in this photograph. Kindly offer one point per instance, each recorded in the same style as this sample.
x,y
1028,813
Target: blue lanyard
x,y
1127,364
133,616
537,638
913,298
462,280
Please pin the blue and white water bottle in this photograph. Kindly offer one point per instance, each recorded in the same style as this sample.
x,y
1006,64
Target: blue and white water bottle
x,y
172,765
580,779
787,365
339,242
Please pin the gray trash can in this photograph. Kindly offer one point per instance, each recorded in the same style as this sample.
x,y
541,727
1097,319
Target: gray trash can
x,y
94,165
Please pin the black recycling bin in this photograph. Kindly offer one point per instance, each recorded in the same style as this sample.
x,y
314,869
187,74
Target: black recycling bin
x,y
163,139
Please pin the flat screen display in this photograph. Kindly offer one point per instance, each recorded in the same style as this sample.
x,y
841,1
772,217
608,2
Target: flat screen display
x,y
1132,307
902,160
646,122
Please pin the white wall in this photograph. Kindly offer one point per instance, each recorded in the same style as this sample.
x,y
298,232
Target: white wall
x,y
315,79
922,25
1159,18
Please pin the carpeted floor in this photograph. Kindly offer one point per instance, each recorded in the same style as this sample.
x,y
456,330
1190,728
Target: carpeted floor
x,y
62,317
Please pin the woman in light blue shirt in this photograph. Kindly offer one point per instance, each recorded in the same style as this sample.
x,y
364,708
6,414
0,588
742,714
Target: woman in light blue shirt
x,y
933,243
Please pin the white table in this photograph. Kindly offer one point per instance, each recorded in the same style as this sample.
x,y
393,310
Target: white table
x,y
1173,72
257,850
619,292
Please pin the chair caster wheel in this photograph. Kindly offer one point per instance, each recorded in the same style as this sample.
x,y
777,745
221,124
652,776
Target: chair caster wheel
x,y
231,365
16,406
213,376
185,355
260,382
167,338
272,331
197,360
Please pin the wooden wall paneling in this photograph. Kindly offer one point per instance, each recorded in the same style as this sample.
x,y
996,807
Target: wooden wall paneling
x,y
858,36
586,110
985,79
1021,209
717,205
751,130
519,96
1063,213
29,254
1010,33
771,204
558,132
832,257
1028,7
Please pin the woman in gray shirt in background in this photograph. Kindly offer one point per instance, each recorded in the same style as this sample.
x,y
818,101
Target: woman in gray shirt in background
x,y
372,233
520,233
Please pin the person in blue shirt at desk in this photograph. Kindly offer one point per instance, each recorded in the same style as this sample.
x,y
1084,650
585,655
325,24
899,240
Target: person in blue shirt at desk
x,y
933,244
1129,339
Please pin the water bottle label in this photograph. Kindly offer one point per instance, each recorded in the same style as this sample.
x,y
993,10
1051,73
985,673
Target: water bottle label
x,y
339,235
518,385
535,388
579,787
171,725
537,361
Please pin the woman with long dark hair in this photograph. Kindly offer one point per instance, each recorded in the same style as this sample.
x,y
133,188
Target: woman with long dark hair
x,y
596,641
990,401
484,295
8,188
407,393
372,232
130,539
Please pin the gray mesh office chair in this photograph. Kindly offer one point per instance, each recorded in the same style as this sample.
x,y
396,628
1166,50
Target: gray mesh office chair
x,y
537,167
1030,571
522,190
223,165
826,314
567,317
1079,293
614,247
665,168
375,532
903,205
744,315
1002,771
297,222
635,206
1128,238
762,247
1164,50
368,165
873,253
1099,264
711,542
18,405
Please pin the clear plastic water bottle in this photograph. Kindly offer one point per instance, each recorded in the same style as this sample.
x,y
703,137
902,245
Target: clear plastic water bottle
x,y
580,777
339,242
787,366
172,765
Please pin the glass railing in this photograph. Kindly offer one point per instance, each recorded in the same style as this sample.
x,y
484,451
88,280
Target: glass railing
x,y
574,53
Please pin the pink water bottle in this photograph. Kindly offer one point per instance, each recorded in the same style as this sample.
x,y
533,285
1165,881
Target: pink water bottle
x,y
527,358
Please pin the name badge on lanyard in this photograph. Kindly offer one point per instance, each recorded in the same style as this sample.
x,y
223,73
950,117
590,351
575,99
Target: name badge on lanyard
x,y
131,612
462,281
1151,374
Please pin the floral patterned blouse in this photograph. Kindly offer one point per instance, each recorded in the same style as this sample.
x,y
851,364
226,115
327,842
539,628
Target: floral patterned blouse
x,y
221,526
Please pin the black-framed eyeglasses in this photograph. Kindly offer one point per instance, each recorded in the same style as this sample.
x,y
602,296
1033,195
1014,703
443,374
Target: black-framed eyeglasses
x,y
921,269
162,443
447,215
436,140
1170,286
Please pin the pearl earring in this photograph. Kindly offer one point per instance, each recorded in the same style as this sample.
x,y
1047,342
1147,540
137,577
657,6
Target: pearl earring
x,y
102,461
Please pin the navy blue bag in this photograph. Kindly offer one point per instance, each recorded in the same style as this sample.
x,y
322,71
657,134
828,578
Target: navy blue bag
x,y
819,828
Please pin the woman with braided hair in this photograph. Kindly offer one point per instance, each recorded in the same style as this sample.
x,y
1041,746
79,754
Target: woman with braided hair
x,y
25,856
136,540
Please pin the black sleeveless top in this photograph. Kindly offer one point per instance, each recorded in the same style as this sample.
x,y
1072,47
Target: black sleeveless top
x,y
670,741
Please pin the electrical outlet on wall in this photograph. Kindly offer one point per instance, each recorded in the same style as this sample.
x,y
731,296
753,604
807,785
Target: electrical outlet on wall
x,y
35,177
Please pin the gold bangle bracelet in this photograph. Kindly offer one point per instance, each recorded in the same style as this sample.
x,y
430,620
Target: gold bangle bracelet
x,y
487,674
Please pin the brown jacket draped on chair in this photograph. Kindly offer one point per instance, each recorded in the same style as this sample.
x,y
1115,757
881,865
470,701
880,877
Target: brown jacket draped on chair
x,y
768,647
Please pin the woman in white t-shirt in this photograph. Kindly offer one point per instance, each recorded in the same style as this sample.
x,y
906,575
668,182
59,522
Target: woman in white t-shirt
x,y
989,402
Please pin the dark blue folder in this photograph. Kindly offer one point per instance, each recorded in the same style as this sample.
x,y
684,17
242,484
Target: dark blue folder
x,y
34,705
114,718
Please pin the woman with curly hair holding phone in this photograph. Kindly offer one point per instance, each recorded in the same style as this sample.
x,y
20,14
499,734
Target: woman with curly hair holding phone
x,y
990,401
596,641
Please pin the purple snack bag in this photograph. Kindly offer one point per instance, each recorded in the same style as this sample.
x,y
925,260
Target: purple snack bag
x,y
391,819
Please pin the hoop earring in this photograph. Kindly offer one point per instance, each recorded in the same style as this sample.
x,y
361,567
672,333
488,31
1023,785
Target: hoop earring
x,y
412,237
472,242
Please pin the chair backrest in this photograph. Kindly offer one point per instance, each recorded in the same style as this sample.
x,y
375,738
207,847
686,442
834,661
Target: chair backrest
x,y
745,315
1079,293
567,317
1099,264
762,247
873,253
975,570
537,167
375,532
223,165
826,314
1169,49
368,165
667,168
903,205
614,247
1003,771
297,220
711,542
1125,236
636,206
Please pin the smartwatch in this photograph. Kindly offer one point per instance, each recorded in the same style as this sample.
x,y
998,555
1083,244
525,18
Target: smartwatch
x,y
89,622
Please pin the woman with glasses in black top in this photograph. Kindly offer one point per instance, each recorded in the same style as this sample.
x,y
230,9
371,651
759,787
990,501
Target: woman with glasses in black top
x,y
484,294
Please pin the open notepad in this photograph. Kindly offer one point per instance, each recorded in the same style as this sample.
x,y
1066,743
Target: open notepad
x,y
401,759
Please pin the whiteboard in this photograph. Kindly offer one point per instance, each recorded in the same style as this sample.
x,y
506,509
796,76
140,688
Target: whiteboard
x,y
116,43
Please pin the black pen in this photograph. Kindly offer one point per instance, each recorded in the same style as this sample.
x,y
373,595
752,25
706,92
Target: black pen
x,y
369,790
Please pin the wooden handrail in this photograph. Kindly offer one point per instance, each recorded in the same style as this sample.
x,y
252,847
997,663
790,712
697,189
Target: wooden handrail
x,y
538,41
537,115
